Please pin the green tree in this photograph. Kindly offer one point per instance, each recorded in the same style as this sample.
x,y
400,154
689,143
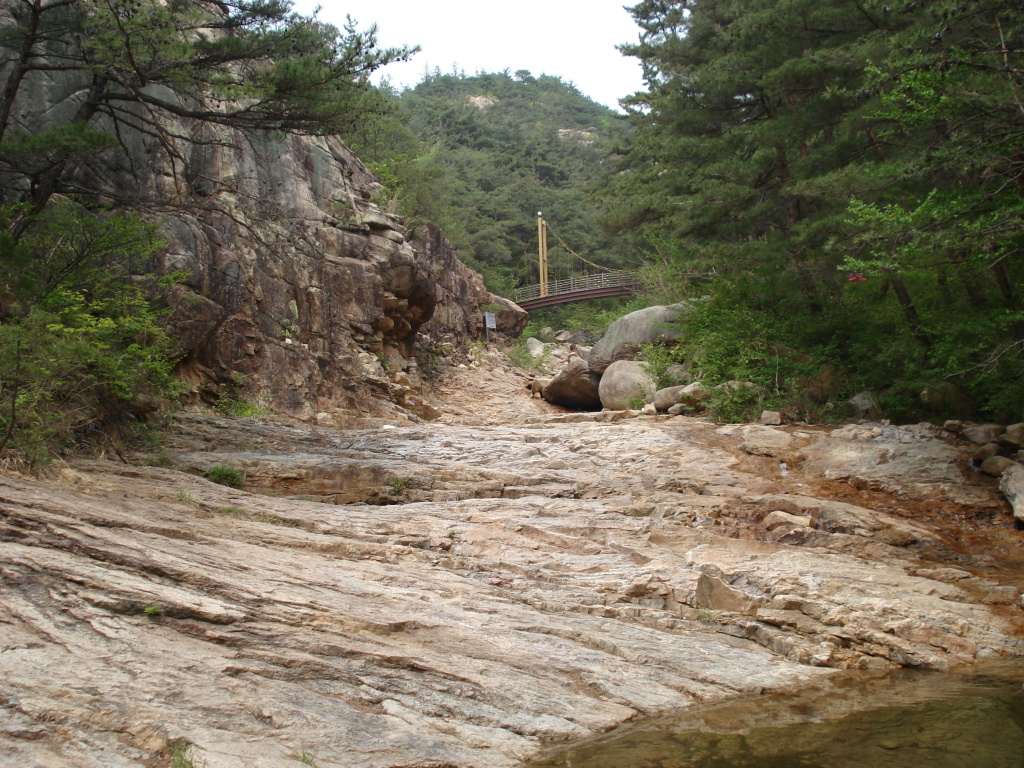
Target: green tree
x,y
745,142
764,120
949,214
82,349
500,147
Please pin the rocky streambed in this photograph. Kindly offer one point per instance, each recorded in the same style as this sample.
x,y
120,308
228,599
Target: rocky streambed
x,y
468,594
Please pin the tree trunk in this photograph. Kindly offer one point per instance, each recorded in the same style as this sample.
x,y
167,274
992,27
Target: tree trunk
x,y
969,281
20,66
900,289
883,289
1005,281
792,205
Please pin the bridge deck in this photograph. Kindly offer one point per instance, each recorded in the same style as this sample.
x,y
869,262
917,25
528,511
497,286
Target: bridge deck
x,y
578,289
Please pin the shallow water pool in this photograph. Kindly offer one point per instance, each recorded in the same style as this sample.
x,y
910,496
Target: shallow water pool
x,y
966,719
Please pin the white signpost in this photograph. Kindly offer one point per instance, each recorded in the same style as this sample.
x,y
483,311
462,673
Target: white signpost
x,y
489,325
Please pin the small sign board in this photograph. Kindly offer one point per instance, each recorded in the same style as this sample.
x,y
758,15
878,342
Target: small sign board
x,y
489,321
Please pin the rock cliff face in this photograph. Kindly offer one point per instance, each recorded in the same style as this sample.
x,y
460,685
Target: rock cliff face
x,y
302,285
300,292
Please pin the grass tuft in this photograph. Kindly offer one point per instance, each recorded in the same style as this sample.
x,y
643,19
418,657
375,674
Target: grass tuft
x,y
225,474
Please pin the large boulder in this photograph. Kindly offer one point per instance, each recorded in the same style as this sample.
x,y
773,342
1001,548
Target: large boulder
x,y
1013,437
627,334
865,406
982,434
623,381
692,395
535,347
575,386
509,318
689,399
997,465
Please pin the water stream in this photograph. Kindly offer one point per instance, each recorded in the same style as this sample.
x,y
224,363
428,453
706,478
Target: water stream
x,y
906,719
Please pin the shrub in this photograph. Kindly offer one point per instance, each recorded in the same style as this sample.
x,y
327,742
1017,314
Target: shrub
x,y
520,357
659,358
735,405
179,752
225,474
81,339
234,403
241,408
398,485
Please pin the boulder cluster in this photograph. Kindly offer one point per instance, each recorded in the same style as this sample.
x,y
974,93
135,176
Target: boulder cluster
x,y
606,375
1000,453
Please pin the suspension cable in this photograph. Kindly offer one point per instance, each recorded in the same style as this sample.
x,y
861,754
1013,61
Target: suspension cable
x,y
587,261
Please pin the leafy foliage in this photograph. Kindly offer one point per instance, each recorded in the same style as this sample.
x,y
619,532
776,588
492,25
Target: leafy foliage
x,y
398,485
840,178
233,400
80,338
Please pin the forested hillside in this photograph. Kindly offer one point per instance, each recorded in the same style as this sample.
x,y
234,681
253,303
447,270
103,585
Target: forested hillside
x,y
481,155
841,178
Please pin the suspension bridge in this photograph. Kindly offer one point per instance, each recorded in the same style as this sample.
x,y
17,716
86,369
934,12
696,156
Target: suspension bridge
x,y
592,282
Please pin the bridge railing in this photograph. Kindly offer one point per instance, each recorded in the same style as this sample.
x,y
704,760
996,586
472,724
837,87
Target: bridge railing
x,y
573,284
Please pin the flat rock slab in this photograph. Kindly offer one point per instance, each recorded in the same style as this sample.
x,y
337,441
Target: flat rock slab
x,y
521,586
900,460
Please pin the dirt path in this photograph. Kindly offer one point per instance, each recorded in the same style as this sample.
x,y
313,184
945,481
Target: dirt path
x,y
493,393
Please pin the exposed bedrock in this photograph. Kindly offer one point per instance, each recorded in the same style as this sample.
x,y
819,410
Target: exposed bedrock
x,y
465,595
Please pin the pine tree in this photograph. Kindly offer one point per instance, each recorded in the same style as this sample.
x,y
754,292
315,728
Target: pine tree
x,y
752,119
838,168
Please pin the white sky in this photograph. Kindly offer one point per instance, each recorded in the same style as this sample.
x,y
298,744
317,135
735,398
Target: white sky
x,y
573,39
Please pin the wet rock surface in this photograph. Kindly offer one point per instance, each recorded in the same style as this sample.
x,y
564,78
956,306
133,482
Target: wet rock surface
x,y
467,592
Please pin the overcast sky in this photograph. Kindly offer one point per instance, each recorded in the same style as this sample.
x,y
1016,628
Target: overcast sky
x,y
573,39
